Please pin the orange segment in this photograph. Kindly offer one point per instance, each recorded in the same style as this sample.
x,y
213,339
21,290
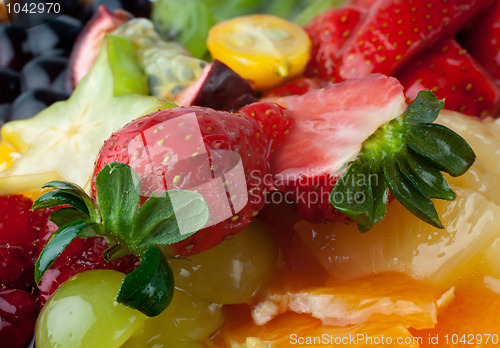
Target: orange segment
x,y
387,298
383,305
470,320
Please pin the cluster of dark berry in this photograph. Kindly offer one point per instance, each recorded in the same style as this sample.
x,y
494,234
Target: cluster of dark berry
x,y
34,60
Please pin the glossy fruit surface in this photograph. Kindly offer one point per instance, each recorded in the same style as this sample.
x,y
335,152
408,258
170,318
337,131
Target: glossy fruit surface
x,y
185,321
181,161
84,313
232,272
18,313
45,73
263,49
9,85
13,53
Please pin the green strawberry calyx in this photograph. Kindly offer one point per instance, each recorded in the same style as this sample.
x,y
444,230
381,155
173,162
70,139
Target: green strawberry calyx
x,y
128,226
406,157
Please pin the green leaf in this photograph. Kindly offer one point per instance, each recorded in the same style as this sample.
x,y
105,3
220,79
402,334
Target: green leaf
x,y
168,219
443,148
187,24
63,216
429,180
127,75
353,196
60,197
79,192
409,195
425,108
56,245
118,193
150,287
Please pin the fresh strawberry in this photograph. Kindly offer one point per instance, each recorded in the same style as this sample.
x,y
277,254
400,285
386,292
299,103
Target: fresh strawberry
x,y
451,73
395,30
18,313
328,33
298,86
81,255
359,138
482,40
206,145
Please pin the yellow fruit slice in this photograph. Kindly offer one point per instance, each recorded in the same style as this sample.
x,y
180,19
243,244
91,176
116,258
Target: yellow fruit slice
x,y
264,49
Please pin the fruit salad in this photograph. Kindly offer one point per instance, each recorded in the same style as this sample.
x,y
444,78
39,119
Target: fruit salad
x,y
250,174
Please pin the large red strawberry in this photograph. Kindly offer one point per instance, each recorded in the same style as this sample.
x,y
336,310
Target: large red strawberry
x,y
395,30
328,33
482,40
451,73
354,141
197,148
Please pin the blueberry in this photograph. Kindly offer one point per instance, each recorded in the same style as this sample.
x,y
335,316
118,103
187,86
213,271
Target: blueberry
x,y
139,8
45,72
32,102
55,37
10,85
14,52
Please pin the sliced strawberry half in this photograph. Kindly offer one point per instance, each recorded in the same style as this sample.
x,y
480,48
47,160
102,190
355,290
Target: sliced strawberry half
x,y
451,73
395,30
354,141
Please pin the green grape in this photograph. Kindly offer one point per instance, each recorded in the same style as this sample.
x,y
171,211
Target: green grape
x,y
233,271
83,313
185,321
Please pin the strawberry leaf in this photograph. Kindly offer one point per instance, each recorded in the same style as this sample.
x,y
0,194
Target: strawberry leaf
x,y
353,196
425,108
441,147
118,195
150,287
56,245
380,195
76,190
169,218
63,216
60,197
429,180
409,195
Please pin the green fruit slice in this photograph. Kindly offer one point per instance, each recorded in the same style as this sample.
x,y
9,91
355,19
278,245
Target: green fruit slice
x,y
62,141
